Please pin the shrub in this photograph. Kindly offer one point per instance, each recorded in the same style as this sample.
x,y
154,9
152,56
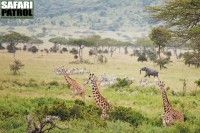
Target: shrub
x,y
55,83
92,52
127,115
24,47
198,82
142,58
157,121
31,83
182,127
54,49
162,62
1,47
151,55
102,59
46,50
11,123
64,50
16,66
105,51
121,83
79,102
11,48
168,53
76,56
33,49
73,51
136,53
100,51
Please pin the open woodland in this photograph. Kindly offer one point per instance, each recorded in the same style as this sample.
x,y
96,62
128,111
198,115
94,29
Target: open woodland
x,y
106,38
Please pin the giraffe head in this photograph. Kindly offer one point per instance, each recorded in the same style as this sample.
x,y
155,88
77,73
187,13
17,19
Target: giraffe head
x,y
91,78
161,84
63,70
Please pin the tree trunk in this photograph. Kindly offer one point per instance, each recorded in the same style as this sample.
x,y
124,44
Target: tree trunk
x,y
159,48
79,54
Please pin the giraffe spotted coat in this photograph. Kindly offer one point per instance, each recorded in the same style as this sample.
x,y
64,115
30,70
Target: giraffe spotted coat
x,y
99,99
169,115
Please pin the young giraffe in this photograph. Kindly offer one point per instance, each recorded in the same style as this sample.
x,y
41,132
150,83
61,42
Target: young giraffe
x,y
75,87
100,100
169,115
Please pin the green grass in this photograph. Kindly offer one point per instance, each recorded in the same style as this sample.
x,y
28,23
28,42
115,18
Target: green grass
x,y
35,86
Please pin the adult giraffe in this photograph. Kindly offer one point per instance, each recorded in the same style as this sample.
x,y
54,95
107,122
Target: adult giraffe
x,y
169,115
99,99
76,88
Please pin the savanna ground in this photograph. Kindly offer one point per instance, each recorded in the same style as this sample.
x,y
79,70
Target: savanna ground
x,y
37,87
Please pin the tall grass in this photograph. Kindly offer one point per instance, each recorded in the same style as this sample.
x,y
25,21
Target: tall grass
x,y
37,88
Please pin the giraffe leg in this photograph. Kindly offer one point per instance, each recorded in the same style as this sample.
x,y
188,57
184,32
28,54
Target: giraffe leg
x,y
103,114
73,96
164,123
83,94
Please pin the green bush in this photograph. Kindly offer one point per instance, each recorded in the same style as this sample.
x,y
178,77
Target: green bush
x,y
11,48
64,49
92,52
162,62
167,53
121,83
33,49
156,121
182,127
142,58
55,83
198,82
73,51
11,123
16,66
127,115
59,108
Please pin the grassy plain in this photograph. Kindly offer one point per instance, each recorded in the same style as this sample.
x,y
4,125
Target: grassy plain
x,y
38,69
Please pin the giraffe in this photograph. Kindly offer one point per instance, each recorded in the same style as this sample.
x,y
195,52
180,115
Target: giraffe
x,y
169,115
99,99
76,88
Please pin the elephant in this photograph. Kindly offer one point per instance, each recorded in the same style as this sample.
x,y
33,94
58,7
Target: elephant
x,y
149,72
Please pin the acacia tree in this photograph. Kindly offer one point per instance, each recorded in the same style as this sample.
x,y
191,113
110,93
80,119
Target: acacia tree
x,y
13,39
184,15
111,44
36,41
96,42
160,37
80,43
57,42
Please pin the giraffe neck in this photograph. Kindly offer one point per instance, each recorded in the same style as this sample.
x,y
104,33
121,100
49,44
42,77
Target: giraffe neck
x,y
166,104
95,87
95,90
67,78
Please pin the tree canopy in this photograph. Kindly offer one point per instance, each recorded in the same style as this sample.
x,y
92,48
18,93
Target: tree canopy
x,y
182,13
15,38
35,40
183,16
143,41
58,40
